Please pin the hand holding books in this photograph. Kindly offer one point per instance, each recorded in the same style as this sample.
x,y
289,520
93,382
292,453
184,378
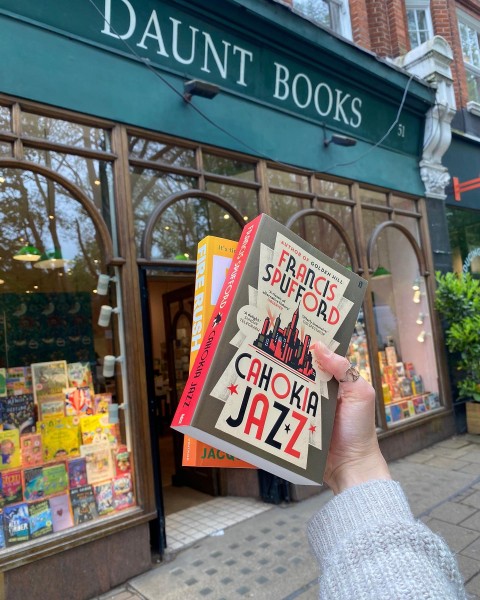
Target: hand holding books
x,y
354,455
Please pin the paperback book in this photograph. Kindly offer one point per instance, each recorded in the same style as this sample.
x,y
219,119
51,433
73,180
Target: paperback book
x,y
55,478
10,455
19,381
62,517
2,532
80,375
60,437
256,390
11,487
16,524
78,401
83,503
49,379
123,492
33,484
104,497
31,449
18,412
77,472
214,257
40,519
99,462
3,382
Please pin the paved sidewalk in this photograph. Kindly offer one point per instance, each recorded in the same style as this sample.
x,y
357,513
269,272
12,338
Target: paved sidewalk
x,y
267,556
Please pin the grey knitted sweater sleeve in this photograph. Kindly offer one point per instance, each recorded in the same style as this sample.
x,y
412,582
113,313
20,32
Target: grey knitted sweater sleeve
x,y
369,545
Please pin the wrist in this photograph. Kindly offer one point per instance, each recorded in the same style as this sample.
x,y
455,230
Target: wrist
x,y
354,473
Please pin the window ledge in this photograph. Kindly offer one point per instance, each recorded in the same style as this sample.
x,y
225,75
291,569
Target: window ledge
x,y
473,108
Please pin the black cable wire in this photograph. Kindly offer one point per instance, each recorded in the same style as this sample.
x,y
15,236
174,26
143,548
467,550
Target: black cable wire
x,y
255,151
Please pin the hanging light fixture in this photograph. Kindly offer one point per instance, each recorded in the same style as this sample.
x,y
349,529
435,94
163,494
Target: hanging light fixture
x,y
52,259
28,254
381,273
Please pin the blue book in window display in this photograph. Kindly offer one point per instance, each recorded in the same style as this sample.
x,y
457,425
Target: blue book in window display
x,y
40,517
16,524
2,533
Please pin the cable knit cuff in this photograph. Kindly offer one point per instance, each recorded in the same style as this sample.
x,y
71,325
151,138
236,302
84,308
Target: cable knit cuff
x,y
357,508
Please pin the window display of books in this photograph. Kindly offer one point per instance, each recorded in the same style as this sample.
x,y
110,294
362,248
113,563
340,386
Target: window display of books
x,y
403,390
63,463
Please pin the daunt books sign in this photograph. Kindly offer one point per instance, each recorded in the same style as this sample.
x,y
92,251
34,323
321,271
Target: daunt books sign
x,y
309,82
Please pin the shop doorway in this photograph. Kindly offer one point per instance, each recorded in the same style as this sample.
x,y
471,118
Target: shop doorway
x,y
169,306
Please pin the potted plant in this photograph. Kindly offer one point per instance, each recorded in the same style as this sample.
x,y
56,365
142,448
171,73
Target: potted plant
x,y
458,302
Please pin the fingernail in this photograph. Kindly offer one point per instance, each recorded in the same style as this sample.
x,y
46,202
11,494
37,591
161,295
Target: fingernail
x,y
322,348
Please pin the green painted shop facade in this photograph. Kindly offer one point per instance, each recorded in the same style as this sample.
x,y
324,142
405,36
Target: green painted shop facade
x,y
130,130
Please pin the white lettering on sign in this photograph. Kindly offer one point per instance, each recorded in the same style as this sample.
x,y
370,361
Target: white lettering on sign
x,y
227,60
326,101
468,261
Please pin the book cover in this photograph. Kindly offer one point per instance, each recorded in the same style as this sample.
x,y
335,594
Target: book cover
x,y
62,517
255,390
31,449
33,484
3,382
10,456
104,497
77,472
78,401
50,407
122,460
40,519
18,412
11,485
80,375
55,478
19,381
3,543
60,437
101,403
49,379
16,524
214,257
123,492
83,504
99,462
96,429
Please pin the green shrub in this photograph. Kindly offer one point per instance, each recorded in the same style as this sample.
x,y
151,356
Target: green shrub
x,y
458,302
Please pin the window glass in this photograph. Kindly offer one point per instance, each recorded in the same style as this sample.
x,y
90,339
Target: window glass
x,y
65,132
228,167
332,189
411,224
287,181
64,445
160,152
244,200
464,235
406,353
5,118
403,203
372,197
342,214
419,25
469,39
371,219
283,207
149,188
183,224
6,148
94,177
330,13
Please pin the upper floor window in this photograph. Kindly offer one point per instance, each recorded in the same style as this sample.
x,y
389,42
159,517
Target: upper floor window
x,y
469,39
331,13
420,27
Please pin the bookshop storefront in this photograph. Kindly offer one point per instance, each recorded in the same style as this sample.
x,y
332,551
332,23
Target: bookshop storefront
x,y
128,132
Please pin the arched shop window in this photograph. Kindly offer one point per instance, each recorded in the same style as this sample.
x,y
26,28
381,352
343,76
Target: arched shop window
x,y
177,224
65,444
403,329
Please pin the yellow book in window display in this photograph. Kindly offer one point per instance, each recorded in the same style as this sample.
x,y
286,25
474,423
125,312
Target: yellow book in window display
x,y
10,454
60,437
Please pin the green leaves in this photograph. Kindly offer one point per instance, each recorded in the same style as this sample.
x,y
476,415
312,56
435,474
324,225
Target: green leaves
x,y
458,301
